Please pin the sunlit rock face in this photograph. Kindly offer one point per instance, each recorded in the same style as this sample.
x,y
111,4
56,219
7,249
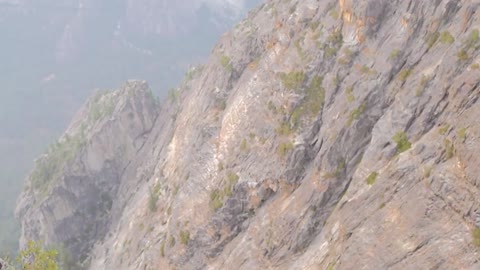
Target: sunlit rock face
x,y
317,135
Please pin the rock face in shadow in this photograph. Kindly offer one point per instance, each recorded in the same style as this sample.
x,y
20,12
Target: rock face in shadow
x,y
318,135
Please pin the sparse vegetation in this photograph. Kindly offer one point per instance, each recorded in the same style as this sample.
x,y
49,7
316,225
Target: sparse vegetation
x,y
217,196
443,129
432,39
394,54
299,49
427,171
449,149
476,236
404,74
216,199
101,107
284,148
34,257
462,55
293,80
284,129
271,106
244,145
365,70
334,13
314,25
341,165
311,105
446,38
402,142
315,95
226,63
422,86
462,134
153,198
372,178
232,180
472,40
49,168
349,94
171,241
184,237
356,113
173,94
336,38
162,249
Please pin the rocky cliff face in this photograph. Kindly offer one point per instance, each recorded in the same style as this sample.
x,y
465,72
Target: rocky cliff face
x,y
70,194
319,135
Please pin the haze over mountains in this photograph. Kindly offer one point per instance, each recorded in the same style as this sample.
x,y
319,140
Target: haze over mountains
x,y
54,53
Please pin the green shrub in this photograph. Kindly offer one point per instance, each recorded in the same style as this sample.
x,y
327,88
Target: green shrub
x,y
444,129
315,95
462,134
173,94
334,14
336,38
293,80
349,93
284,148
217,196
171,241
356,113
472,39
449,149
284,129
34,257
476,236
244,145
446,38
394,54
184,237
162,249
402,142
423,85
404,74
365,70
462,55
432,39
372,178
297,115
232,179
216,199
330,51
152,201
226,63
299,49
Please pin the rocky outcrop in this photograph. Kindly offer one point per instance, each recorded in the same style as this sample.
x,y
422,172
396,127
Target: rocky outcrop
x,y
69,198
318,135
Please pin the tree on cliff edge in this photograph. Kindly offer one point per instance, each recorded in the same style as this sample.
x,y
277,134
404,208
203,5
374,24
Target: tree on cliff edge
x,y
34,257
